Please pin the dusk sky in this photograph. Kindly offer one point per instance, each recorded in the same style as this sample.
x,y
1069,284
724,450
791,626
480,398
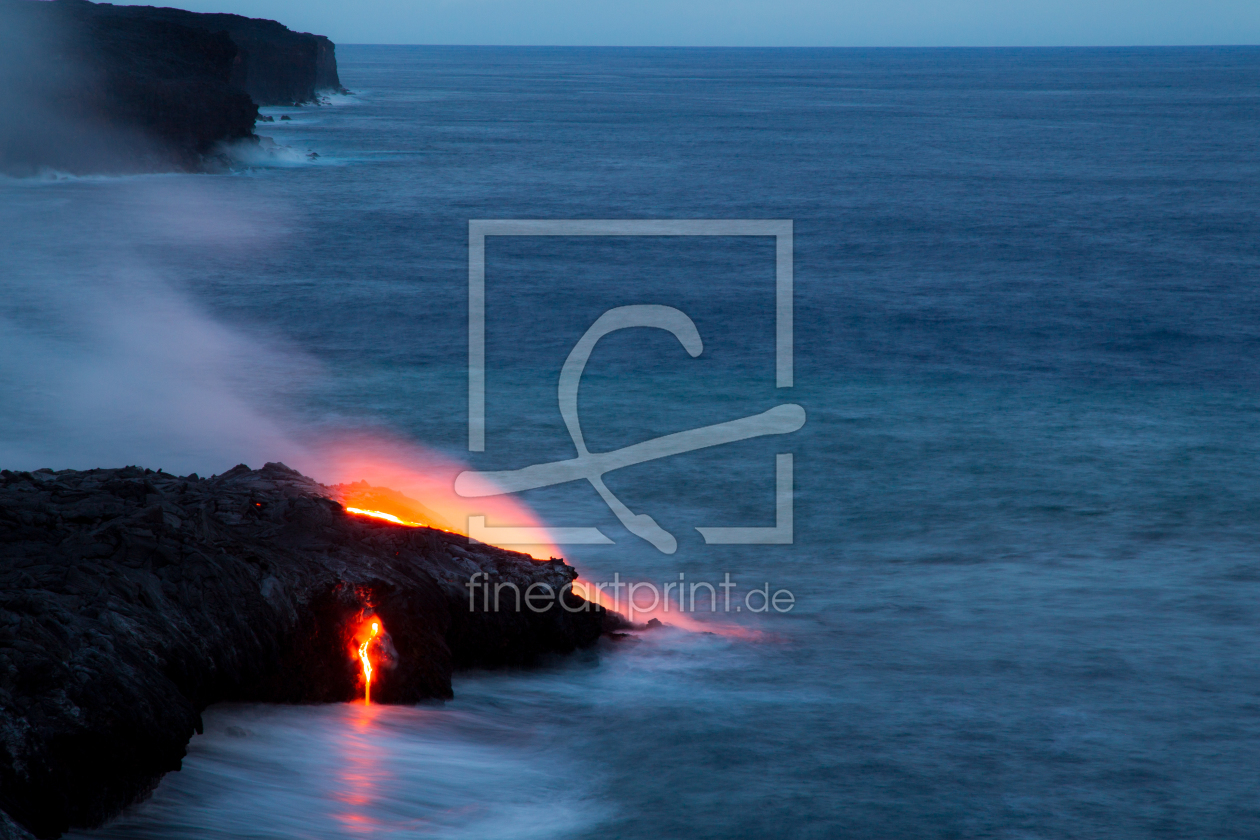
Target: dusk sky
x,y
763,22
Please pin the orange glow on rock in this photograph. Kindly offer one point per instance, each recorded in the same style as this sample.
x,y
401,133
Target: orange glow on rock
x,y
388,477
408,484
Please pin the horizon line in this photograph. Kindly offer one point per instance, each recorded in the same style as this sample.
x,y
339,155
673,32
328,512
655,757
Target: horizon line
x,y
810,46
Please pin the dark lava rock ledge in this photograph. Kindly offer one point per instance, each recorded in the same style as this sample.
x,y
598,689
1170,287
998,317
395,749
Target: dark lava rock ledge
x,y
130,600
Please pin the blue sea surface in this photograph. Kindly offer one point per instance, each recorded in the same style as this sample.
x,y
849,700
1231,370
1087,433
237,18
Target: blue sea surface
x,y
1026,557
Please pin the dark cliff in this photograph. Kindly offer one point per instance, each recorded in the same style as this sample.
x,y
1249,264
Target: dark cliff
x,y
130,600
273,64
88,92
90,87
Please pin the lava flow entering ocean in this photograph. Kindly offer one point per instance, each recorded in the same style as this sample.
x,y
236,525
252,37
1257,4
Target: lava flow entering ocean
x,y
369,632
384,479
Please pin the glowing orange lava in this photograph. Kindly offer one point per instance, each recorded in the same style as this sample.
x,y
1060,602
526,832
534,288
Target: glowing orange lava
x,y
366,658
380,514
384,477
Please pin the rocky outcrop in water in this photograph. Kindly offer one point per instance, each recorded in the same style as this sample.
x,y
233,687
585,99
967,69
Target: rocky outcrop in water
x,y
88,87
130,600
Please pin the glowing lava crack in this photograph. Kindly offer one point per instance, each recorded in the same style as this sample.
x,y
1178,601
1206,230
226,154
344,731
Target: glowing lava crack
x,y
372,643
367,664
388,517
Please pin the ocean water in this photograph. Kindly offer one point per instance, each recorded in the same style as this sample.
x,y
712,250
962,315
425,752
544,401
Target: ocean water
x,y
1026,512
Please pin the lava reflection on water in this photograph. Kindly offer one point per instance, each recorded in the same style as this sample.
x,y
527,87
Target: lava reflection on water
x,y
362,774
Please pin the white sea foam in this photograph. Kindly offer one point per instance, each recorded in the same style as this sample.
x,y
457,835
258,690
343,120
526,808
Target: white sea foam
x,y
48,175
267,153
338,99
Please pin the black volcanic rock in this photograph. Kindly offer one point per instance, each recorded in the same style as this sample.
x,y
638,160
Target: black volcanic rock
x,y
88,87
130,600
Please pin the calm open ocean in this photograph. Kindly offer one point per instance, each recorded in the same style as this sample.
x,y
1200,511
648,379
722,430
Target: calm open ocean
x,y
1026,565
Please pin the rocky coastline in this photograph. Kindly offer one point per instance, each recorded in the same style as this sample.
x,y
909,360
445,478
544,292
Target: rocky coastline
x,y
130,600
97,88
